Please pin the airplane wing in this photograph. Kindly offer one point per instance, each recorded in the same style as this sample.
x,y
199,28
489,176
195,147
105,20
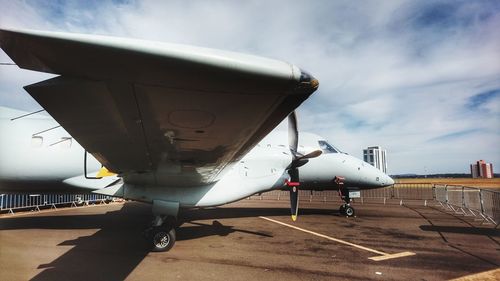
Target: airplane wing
x,y
140,106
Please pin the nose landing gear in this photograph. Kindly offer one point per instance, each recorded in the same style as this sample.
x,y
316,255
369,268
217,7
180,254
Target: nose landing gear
x,y
345,209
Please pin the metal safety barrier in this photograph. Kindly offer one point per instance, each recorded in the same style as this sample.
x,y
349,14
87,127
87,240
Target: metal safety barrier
x,y
481,203
14,202
408,191
412,191
470,201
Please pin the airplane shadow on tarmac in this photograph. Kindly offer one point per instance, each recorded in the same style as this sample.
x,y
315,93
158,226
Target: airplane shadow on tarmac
x,y
119,246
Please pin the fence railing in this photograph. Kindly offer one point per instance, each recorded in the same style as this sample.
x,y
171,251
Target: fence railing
x,y
14,202
461,199
416,191
470,201
481,203
412,191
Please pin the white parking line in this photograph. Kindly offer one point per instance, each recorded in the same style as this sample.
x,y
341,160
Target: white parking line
x,y
392,256
382,255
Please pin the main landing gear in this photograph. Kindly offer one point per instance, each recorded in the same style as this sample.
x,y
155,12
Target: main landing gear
x,y
161,235
345,209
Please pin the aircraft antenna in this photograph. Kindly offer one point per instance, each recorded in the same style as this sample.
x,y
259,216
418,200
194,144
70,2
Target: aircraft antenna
x,y
19,117
50,129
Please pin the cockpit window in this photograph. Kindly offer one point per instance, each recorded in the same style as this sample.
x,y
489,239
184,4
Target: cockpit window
x,y
327,148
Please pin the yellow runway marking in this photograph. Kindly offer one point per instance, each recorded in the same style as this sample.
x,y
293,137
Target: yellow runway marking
x,y
383,256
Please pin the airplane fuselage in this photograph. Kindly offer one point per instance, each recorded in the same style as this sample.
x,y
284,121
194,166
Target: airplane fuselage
x,y
36,159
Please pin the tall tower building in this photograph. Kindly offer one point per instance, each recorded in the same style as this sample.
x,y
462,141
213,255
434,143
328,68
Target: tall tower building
x,y
376,156
481,170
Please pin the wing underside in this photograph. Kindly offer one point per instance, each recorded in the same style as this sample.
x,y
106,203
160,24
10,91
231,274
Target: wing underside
x,y
171,109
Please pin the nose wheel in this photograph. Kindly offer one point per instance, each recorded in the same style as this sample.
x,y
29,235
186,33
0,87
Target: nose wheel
x,y
345,209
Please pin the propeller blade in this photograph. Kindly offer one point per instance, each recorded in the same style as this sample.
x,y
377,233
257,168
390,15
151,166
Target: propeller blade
x,y
298,160
294,202
310,155
293,133
293,184
301,160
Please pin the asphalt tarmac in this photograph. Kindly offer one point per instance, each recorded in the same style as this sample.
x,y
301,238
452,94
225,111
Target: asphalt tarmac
x,y
249,240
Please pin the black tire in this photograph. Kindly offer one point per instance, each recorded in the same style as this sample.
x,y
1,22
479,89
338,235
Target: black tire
x,y
162,238
349,211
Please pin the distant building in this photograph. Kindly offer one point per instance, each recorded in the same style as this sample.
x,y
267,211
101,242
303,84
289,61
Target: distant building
x,y
481,170
377,157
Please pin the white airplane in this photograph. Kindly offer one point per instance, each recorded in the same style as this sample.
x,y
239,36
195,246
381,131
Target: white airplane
x,y
174,126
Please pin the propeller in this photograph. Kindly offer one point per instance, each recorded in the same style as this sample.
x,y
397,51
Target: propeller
x,y
298,160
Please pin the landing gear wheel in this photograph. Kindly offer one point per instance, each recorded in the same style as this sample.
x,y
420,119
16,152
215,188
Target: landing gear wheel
x,y
162,238
349,211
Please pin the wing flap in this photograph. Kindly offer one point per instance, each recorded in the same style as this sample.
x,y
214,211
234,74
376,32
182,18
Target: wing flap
x,y
139,128
101,123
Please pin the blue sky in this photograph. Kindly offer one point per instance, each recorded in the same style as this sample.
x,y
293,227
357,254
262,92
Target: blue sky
x,y
420,78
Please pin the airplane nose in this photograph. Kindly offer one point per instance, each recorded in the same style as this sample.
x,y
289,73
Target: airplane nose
x,y
385,179
390,181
